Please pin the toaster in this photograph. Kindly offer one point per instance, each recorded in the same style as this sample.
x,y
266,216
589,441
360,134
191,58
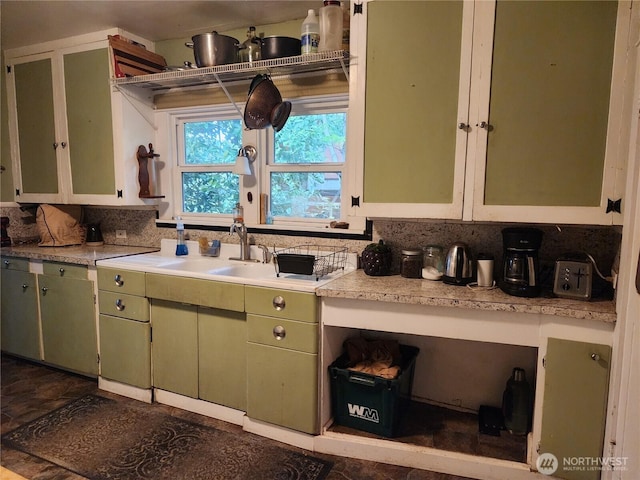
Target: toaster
x,y
573,277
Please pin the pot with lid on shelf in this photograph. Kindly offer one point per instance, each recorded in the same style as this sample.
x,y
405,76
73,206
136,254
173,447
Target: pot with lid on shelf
x,y
212,49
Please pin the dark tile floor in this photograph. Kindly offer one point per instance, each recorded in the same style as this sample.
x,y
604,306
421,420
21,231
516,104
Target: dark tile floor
x,y
30,390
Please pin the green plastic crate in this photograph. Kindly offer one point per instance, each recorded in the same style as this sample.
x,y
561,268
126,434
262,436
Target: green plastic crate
x,y
370,403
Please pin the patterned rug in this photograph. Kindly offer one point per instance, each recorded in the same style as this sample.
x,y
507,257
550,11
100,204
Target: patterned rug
x,y
102,439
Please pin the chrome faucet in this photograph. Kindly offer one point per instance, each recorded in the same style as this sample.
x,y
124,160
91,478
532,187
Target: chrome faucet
x,y
245,250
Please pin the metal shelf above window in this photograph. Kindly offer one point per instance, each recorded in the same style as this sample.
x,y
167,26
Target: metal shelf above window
x,y
161,82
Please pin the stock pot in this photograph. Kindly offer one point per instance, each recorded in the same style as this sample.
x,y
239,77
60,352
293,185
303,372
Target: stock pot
x,y
211,49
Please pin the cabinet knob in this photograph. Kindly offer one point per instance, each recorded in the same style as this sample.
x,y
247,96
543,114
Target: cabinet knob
x,y
6,263
463,126
63,144
24,286
119,305
118,280
486,125
61,271
279,332
279,303
595,357
44,290
55,145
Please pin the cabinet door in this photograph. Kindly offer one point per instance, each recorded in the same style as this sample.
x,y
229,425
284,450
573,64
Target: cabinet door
x,y
546,112
37,173
222,355
574,405
19,314
175,347
416,95
89,123
67,311
125,351
282,387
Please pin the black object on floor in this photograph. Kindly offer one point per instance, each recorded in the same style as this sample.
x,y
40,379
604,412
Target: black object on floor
x,y
102,439
490,420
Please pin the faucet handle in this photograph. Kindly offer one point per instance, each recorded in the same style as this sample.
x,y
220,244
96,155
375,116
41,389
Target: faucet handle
x,y
266,254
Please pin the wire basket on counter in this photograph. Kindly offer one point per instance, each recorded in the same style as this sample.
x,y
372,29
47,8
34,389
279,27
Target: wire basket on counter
x,y
318,260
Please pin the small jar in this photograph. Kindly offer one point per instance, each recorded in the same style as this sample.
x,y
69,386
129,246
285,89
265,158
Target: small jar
x,y
433,262
411,264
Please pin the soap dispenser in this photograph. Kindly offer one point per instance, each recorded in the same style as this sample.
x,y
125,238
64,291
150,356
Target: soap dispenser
x,y
181,246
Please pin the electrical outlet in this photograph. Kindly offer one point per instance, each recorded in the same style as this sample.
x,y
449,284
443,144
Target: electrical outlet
x,y
121,234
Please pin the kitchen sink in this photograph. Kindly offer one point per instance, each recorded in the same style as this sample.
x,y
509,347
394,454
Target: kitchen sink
x,y
249,270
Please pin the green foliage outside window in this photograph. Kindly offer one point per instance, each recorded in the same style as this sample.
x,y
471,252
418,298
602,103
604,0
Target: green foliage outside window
x,y
211,143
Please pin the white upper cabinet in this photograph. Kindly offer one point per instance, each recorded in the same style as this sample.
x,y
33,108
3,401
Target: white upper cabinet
x,y
489,111
73,139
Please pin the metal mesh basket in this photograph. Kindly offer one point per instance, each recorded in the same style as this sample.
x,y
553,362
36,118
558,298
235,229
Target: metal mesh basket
x,y
318,260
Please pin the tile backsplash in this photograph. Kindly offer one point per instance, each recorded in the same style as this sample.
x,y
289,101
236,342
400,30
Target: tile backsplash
x,y
602,242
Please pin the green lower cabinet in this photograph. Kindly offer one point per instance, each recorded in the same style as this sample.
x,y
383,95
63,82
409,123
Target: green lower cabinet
x,y
67,312
175,347
222,347
19,314
282,387
574,405
125,351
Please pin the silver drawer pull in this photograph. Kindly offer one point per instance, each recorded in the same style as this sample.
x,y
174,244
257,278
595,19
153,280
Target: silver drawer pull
x,y
279,332
24,286
118,280
119,305
61,270
7,262
279,303
44,290
595,357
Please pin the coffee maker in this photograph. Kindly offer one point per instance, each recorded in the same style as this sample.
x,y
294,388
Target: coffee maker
x,y
521,268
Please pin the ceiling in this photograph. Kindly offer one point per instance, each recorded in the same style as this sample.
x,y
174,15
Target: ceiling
x,y
26,22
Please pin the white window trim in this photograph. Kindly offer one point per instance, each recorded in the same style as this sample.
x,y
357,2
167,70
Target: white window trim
x,y
168,141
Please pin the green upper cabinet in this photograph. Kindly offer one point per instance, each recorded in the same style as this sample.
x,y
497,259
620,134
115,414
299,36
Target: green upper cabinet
x,y
416,92
549,148
35,114
89,122
490,110
73,138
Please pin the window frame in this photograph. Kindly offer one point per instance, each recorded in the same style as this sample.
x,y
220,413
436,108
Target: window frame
x,y
338,103
251,186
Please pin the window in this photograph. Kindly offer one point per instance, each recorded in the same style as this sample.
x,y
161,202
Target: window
x,y
304,177
301,168
207,149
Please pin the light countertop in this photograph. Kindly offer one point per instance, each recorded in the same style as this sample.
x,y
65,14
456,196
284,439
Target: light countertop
x,y
78,254
394,288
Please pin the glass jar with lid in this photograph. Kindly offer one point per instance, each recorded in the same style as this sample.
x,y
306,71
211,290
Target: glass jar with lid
x,y
411,263
433,262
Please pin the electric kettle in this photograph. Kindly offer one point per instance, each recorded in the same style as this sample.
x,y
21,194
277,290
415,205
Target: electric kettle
x,y
458,265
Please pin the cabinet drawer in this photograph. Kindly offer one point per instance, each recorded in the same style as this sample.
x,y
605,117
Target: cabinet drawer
x,y
125,281
12,263
194,291
124,305
67,270
278,332
281,303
